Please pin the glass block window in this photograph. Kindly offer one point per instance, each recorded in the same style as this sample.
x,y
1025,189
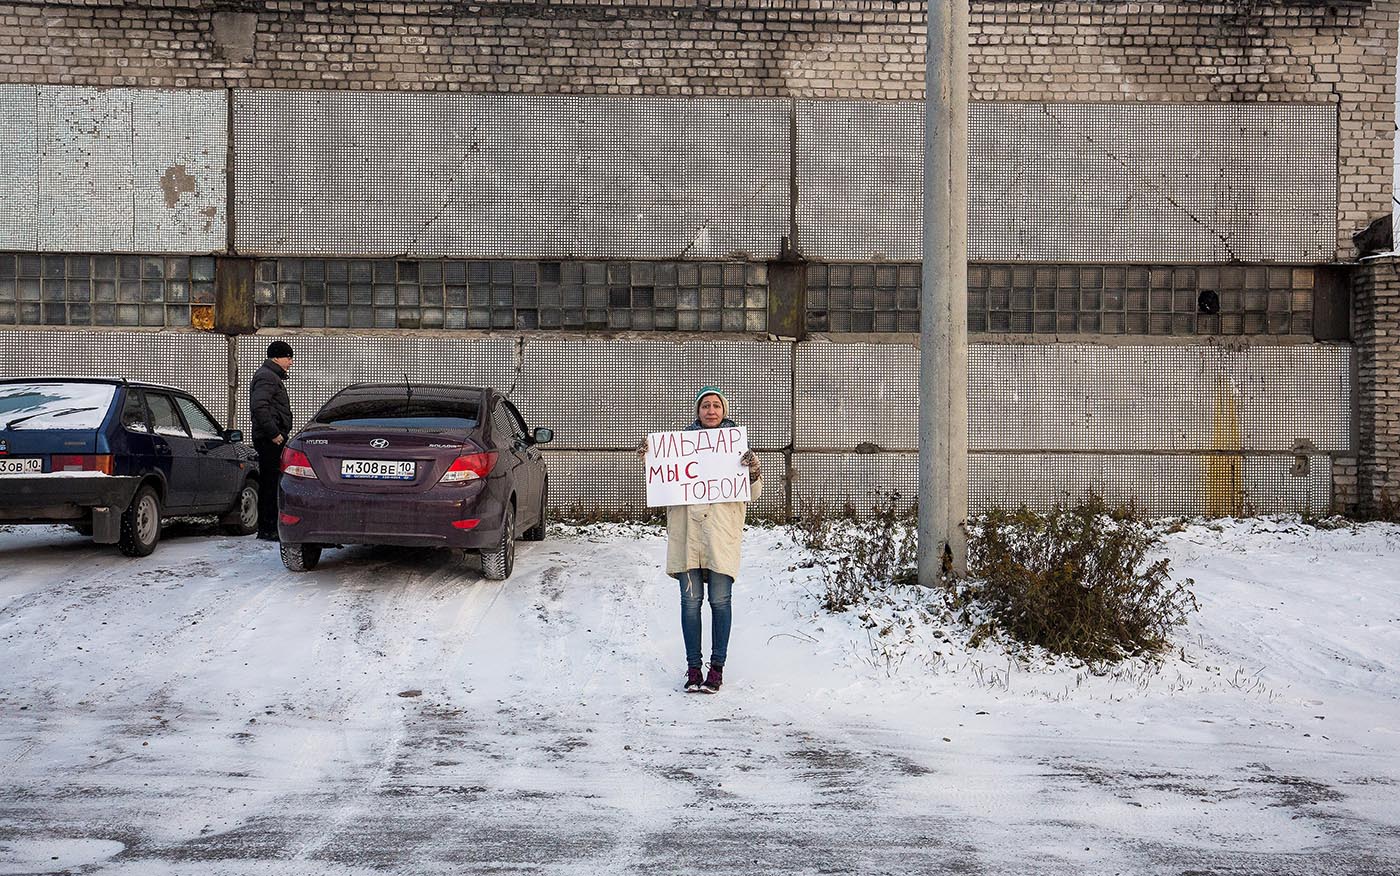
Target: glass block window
x,y
1172,300
103,290
512,295
863,297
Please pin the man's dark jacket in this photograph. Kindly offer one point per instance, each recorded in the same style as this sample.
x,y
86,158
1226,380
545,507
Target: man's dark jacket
x,y
269,405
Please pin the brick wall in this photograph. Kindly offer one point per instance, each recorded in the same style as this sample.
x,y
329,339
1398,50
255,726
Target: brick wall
x,y
1376,316
1302,51
1344,496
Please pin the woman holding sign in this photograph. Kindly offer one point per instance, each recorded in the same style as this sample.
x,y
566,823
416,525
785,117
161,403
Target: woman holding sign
x,y
702,550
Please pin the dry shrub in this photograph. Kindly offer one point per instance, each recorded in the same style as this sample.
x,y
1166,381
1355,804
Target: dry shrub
x,y
1075,581
858,556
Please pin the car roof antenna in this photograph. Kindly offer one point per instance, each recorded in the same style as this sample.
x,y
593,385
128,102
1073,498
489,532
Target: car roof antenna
x,y
408,388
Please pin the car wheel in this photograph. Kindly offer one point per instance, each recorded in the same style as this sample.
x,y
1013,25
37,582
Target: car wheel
x,y
536,532
300,557
141,523
497,562
243,519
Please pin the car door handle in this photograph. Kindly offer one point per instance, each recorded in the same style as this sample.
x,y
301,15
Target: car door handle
x,y
163,450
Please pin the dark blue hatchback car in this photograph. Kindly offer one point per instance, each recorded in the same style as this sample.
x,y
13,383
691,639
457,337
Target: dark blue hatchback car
x,y
113,457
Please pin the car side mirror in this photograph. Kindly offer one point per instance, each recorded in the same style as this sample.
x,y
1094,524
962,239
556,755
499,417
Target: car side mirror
x,y
544,436
233,436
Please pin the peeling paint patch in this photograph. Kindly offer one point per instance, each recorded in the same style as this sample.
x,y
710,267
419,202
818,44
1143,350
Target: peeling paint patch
x,y
175,182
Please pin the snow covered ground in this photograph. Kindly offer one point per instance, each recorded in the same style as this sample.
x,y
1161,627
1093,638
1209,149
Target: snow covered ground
x,y
204,711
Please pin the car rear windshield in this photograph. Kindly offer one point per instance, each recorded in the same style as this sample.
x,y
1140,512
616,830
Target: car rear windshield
x,y
428,414
54,405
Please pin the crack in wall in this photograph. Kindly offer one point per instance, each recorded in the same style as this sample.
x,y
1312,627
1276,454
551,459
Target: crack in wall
x,y
1146,183
519,353
708,223
473,148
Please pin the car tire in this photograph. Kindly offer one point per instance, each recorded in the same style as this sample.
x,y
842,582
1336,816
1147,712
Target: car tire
x,y
536,532
498,562
140,523
243,519
300,557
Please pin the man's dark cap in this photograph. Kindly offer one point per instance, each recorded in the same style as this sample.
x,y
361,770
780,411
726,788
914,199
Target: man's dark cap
x,y
279,350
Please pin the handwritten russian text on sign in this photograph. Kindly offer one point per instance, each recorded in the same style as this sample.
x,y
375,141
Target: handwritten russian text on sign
x,y
699,467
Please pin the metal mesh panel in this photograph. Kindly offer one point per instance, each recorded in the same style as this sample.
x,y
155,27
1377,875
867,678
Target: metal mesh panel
x,y
86,189
1168,398
1085,397
1215,182
856,479
325,364
602,395
112,170
510,175
180,145
847,394
585,482
1160,485
1079,181
194,362
607,394
663,176
19,172
860,173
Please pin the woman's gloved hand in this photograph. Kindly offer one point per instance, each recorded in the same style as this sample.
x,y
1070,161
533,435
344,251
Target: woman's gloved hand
x,y
751,461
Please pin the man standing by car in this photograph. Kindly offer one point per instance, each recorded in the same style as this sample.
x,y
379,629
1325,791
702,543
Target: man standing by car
x,y
271,410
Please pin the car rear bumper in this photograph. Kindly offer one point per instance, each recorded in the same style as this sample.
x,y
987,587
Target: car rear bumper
x,y
409,520
59,498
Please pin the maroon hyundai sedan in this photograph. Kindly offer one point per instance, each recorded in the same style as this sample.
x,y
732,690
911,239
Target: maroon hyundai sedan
x,y
417,465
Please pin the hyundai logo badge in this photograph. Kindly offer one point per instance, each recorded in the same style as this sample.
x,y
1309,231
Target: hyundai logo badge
x,y
379,443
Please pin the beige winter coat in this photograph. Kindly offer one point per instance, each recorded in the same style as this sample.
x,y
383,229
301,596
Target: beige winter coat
x,y
707,536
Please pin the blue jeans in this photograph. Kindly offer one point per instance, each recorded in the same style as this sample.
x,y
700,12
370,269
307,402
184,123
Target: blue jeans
x,y
693,583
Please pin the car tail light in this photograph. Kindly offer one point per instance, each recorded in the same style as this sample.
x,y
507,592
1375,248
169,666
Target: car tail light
x,y
288,519
82,462
466,524
469,468
295,463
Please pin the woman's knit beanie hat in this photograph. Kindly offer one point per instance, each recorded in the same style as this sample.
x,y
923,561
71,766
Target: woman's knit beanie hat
x,y
711,390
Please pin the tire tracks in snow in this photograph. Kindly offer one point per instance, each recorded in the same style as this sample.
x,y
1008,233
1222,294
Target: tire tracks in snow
x,y
390,639
110,594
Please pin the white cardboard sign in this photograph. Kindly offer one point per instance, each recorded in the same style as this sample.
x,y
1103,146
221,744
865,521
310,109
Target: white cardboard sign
x,y
699,467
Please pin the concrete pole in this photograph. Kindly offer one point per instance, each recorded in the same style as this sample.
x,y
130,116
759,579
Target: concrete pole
x,y
943,320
